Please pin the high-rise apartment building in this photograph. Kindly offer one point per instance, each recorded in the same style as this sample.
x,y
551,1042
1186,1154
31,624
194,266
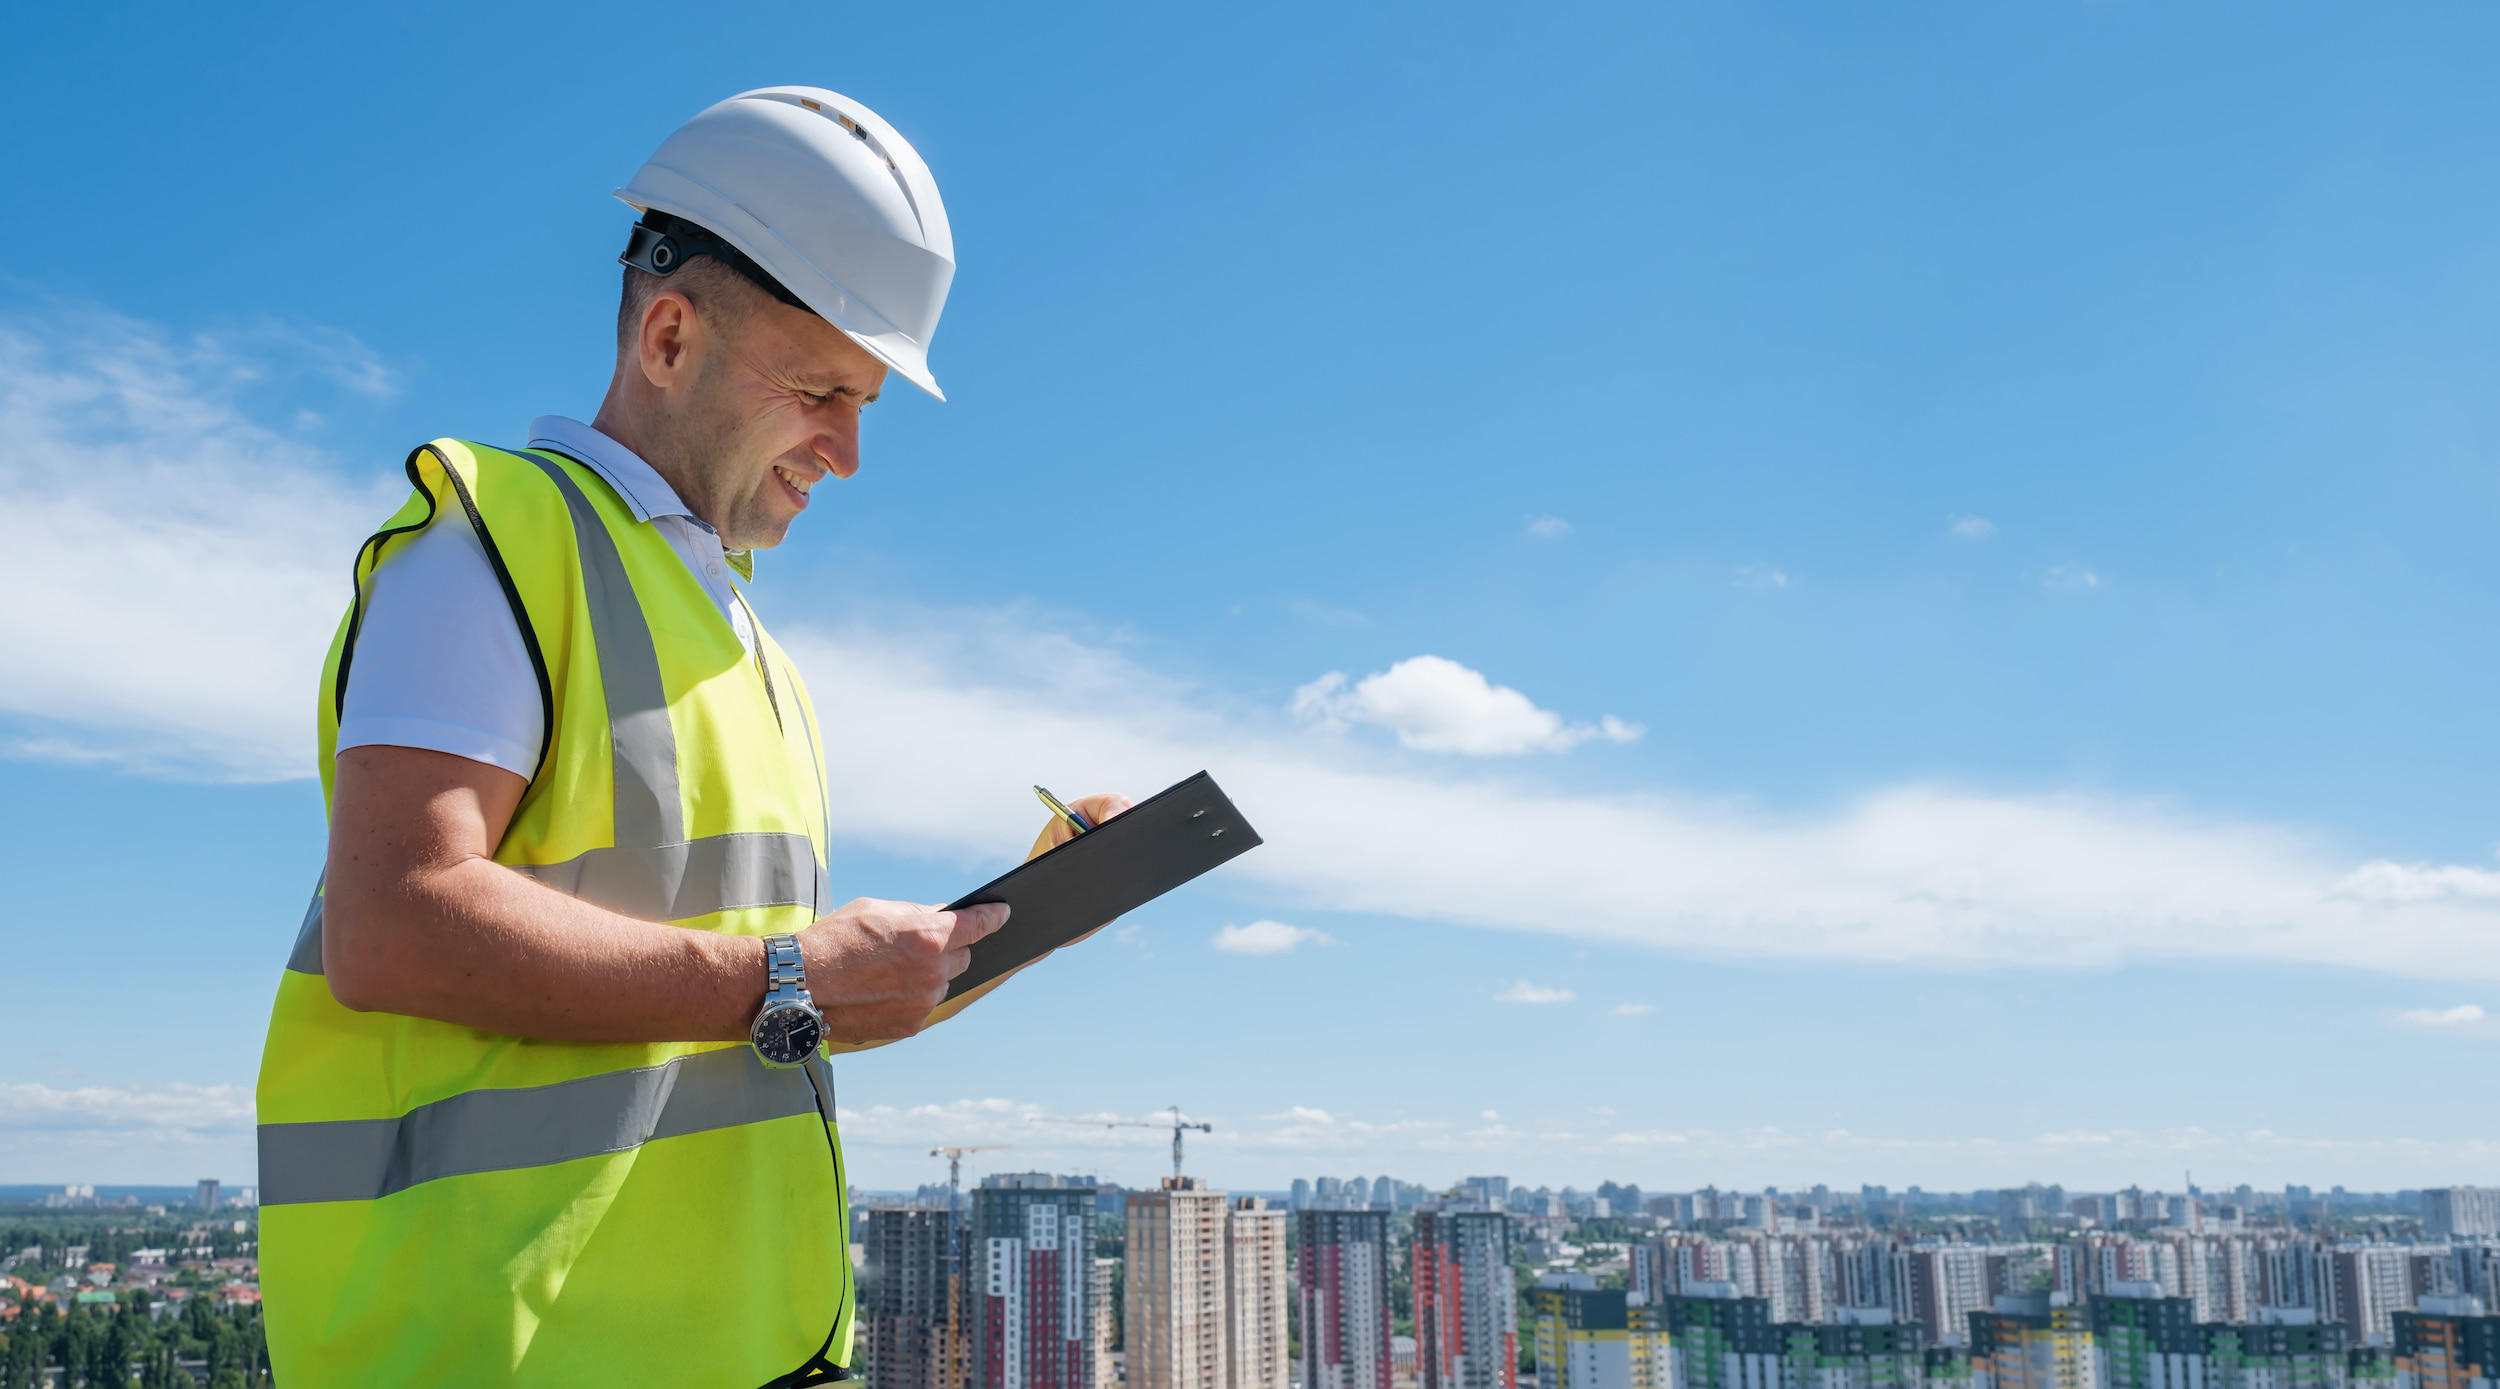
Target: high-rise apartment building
x,y
1353,1194
1207,1290
2152,1342
206,1197
1863,1275
909,1301
1721,1341
2032,1341
1106,1330
1811,1277
1466,1317
1592,1339
2145,1342
1029,1314
2365,1286
1866,1354
1342,1288
2446,1350
1258,1343
2277,1355
2466,1211
2018,1207
1175,1315
1940,1286
1716,1340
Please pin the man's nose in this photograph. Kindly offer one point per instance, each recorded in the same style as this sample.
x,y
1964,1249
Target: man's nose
x,y
836,445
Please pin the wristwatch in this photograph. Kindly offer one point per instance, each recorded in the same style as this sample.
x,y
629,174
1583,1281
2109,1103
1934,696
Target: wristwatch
x,y
788,1028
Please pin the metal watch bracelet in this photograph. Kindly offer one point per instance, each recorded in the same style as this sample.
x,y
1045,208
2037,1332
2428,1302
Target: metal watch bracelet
x,y
785,969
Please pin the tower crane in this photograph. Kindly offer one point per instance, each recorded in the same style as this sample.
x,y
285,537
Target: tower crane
x,y
952,1347
1176,1124
955,1165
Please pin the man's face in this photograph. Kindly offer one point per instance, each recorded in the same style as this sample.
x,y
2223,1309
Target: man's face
x,y
773,410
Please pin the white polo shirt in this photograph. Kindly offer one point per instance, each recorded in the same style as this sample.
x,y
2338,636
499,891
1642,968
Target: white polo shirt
x,y
439,660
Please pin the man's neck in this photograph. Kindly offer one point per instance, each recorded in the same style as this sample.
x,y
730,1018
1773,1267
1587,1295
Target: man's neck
x,y
634,423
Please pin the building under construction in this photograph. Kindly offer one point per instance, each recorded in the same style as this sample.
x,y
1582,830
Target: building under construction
x,y
907,1318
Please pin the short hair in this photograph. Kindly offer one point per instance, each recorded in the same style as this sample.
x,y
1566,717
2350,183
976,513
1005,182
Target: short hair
x,y
720,295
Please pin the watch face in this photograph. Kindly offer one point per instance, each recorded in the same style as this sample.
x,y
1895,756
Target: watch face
x,y
787,1034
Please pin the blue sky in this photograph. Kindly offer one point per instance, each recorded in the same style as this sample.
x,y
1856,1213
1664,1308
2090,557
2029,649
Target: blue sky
x,y
2027,473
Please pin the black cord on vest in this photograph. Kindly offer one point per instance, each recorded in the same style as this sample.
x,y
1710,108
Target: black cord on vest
x,y
819,1368
356,577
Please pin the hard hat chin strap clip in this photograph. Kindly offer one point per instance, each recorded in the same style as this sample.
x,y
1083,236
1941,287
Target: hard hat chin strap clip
x,y
652,251
661,245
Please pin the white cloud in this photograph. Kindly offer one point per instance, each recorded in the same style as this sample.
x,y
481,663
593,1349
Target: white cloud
x,y
1630,1010
126,1109
1971,528
177,567
2071,579
1548,528
196,646
1437,705
102,1133
2382,881
2463,1015
1268,938
1760,576
1922,874
1524,992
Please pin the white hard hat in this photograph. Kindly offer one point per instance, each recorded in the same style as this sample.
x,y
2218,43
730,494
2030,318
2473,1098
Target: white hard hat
x,y
822,195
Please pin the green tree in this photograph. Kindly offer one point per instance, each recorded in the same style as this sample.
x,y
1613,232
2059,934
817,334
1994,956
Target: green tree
x,y
25,1351
1119,1305
199,1318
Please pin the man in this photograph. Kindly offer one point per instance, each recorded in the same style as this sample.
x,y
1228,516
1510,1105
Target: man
x,y
544,1099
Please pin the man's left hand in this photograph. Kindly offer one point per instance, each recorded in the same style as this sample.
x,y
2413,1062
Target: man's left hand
x,y
1095,809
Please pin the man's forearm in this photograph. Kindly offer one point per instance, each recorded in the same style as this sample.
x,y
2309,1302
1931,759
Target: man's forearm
x,y
477,944
421,920
418,919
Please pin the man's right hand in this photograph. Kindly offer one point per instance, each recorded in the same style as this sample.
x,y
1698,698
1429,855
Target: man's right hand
x,y
876,968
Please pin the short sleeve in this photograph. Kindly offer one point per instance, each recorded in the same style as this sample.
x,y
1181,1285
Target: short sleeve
x,y
439,661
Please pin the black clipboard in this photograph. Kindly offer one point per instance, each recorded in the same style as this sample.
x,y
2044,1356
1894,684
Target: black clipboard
x,y
1110,870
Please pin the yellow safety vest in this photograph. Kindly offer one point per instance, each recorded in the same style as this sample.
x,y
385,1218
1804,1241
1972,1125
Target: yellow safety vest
x,y
444,1206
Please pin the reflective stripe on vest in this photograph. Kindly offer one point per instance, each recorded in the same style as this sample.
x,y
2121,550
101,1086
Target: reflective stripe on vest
x,y
499,1130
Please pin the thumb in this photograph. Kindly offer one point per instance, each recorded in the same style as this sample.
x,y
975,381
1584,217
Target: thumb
x,y
976,923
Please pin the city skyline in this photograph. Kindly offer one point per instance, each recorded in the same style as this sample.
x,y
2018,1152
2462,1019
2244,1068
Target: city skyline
x,y
1494,1284
1719,1290
1408,1193
1905,612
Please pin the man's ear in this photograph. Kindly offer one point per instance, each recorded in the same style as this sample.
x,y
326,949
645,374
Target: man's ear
x,y
671,338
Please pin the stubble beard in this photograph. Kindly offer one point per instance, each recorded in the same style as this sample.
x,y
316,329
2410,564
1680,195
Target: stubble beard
x,y
705,444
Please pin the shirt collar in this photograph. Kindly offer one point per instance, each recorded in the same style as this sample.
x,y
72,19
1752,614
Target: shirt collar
x,y
644,491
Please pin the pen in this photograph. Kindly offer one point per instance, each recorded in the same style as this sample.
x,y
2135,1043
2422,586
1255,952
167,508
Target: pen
x,y
1057,809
